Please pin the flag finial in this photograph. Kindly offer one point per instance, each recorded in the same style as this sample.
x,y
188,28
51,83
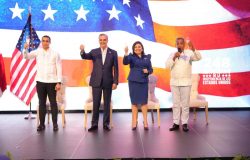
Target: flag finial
x,y
29,9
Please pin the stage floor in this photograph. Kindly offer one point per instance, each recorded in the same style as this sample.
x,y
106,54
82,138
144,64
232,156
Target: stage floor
x,y
226,136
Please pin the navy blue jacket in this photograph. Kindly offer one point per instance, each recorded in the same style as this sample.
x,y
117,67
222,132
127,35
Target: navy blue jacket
x,y
106,73
137,65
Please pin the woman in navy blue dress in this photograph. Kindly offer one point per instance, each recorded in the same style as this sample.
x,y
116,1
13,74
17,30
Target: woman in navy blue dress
x,y
140,68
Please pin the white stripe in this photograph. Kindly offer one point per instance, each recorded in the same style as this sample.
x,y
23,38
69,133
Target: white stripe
x,y
29,91
15,58
23,75
234,59
165,99
190,13
213,60
228,60
25,84
17,70
228,102
15,62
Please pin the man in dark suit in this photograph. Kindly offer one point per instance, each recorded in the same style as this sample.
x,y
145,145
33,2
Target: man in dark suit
x,y
104,78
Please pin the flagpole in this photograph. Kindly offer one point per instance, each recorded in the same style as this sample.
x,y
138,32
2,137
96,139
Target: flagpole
x,y
30,116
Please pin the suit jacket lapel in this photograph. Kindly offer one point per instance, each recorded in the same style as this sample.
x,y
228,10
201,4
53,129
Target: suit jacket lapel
x,y
100,54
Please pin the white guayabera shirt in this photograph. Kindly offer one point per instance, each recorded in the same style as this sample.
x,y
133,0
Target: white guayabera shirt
x,y
48,63
181,68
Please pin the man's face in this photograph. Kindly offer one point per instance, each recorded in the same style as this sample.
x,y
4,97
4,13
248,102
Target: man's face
x,y
103,41
45,42
180,44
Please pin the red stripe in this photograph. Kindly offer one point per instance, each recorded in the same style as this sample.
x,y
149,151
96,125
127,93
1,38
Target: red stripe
x,y
20,72
31,81
239,84
239,8
16,63
20,88
32,93
14,53
212,36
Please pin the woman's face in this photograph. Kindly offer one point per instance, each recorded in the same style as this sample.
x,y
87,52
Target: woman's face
x,y
138,49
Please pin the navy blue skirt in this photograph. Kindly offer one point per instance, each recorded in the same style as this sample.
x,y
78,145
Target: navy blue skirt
x,y
138,92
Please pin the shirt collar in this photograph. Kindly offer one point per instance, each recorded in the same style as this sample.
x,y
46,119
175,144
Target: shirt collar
x,y
46,50
104,50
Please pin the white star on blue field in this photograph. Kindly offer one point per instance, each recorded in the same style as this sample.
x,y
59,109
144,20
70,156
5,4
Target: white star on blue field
x,y
79,16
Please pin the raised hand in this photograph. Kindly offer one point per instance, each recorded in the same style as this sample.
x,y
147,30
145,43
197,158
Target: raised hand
x,y
190,45
26,46
82,47
126,50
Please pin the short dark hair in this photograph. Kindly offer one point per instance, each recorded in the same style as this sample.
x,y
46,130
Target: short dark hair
x,y
46,36
133,47
180,38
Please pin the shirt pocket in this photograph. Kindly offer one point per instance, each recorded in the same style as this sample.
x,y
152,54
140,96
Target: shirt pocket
x,y
51,66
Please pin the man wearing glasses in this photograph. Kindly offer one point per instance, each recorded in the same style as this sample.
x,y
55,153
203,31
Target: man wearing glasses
x,y
48,78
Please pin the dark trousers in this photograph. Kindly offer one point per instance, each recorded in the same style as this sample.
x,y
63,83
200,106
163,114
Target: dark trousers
x,y
97,96
44,90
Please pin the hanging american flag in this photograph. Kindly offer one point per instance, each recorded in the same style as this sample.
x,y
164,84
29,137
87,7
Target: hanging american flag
x,y
23,72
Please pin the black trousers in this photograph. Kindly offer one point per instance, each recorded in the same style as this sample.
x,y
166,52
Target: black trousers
x,y
97,96
44,90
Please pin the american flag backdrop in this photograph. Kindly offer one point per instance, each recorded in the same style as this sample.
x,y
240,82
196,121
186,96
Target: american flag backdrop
x,y
220,29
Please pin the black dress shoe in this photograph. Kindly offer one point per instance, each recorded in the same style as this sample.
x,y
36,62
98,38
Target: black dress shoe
x,y
185,128
174,127
55,127
40,128
93,128
106,128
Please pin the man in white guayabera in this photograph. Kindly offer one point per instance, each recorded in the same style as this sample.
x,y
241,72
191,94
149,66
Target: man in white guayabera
x,y
48,78
180,64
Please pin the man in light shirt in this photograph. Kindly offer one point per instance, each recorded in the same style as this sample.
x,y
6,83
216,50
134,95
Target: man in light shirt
x,y
104,78
180,64
48,78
